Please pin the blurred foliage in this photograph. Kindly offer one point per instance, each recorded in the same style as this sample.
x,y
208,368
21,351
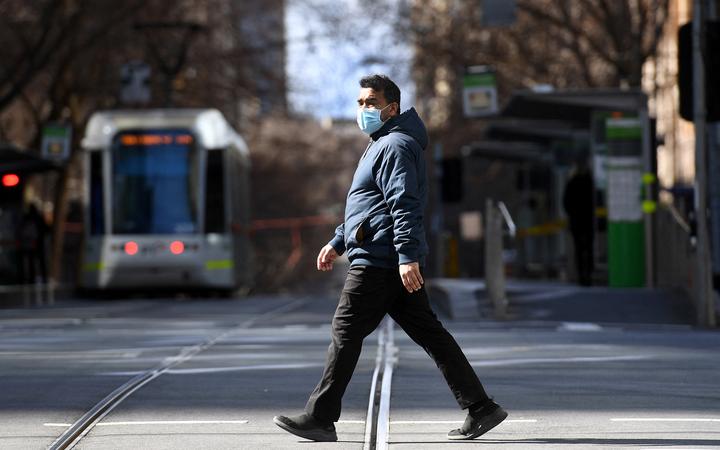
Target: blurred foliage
x,y
60,60
561,43
300,169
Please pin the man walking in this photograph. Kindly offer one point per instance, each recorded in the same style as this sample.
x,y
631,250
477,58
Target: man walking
x,y
384,238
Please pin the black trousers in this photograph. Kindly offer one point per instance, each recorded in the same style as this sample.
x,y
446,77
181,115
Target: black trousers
x,y
583,242
370,293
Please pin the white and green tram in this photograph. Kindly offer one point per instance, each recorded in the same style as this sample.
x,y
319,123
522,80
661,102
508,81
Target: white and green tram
x,y
166,202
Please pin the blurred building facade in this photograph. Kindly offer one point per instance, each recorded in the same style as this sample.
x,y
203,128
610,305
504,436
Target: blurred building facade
x,y
676,146
247,40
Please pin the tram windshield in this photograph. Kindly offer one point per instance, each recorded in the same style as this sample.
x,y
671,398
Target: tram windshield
x,y
154,182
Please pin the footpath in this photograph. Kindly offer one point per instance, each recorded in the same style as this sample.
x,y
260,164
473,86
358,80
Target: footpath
x,y
549,301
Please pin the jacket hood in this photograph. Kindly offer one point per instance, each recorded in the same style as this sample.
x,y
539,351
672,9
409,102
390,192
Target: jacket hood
x,y
408,123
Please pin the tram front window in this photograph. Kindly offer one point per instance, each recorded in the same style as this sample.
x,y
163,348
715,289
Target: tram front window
x,y
154,183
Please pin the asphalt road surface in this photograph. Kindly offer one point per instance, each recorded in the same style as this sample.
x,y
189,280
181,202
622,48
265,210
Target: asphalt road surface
x,y
224,368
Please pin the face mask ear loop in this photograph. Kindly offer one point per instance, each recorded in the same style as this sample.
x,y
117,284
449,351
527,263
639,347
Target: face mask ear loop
x,y
386,106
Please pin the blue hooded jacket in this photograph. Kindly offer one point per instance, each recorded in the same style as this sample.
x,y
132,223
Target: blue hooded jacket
x,y
385,205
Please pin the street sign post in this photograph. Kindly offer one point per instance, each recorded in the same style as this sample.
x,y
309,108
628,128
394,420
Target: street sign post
x,y
56,141
135,78
480,92
626,234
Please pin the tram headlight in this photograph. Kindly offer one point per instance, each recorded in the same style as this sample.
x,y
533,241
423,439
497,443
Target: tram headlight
x,y
131,248
177,247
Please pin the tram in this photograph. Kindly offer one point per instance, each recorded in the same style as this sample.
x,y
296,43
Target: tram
x,y
166,197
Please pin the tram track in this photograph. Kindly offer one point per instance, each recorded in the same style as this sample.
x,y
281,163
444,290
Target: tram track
x,y
79,429
377,424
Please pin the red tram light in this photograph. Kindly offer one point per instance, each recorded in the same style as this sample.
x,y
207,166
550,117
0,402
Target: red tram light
x,y
10,180
131,248
177,247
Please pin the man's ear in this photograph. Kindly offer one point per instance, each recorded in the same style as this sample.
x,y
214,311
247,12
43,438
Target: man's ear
x,y
396,108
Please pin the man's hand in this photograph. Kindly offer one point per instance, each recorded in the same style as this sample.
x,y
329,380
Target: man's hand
x,y
326,257
411,278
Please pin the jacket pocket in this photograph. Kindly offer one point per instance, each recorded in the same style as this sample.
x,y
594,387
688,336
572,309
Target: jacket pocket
x,y
375,230
358,233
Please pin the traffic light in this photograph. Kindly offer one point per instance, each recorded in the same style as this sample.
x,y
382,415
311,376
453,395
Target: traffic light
x,y
10,189
711,51
452,180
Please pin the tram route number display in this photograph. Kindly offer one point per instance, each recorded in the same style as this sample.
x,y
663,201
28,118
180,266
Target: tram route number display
x,y
155,139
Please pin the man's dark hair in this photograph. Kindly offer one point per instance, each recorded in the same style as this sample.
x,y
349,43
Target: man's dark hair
x,y
383,83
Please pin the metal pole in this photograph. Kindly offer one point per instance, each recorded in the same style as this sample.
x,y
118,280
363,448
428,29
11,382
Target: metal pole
x,y
437,224
647,191
494,267
713,152
706,308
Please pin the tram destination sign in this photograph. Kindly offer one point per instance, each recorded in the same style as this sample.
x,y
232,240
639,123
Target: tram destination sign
x,y
152,139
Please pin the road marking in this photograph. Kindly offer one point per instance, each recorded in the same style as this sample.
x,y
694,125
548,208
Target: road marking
x,y
663,419
579,326
235,422
572,359
222,369
451,422
242,368
157,422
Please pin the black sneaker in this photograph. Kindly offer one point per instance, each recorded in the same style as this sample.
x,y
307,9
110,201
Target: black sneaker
x,y
306,426
479,422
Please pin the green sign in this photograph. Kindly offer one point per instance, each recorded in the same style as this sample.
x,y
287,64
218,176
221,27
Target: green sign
x,y
479,79
479,92
56,141
626,234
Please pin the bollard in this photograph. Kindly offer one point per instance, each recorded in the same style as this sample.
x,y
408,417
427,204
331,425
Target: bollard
x,y
494,266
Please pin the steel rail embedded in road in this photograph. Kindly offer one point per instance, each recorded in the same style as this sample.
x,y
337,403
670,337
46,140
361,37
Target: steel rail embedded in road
x,y
84,424
377,425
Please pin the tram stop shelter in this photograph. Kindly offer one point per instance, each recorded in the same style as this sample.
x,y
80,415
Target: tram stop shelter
x,y
15,167
547,132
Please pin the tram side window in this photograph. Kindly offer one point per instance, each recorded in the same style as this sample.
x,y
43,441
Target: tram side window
x,y
97,209
215,193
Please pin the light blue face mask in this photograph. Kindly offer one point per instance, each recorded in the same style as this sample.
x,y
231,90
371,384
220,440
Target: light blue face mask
x,y
369,119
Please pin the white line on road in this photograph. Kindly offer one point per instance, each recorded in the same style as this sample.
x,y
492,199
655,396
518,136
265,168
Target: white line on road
x,y
157,422
451,422
579,326
223,369
241,368
572,359
663,419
